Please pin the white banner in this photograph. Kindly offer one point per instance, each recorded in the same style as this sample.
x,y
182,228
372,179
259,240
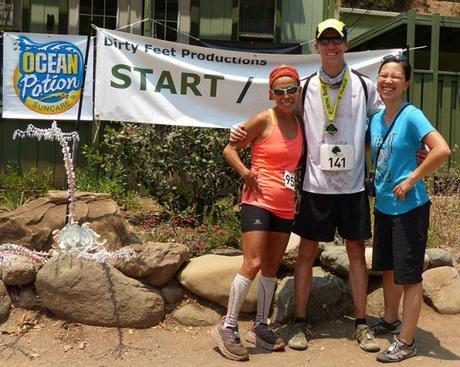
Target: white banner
x,y
43,77
140,79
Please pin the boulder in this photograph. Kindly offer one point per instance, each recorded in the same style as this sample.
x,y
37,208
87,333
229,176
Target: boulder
x,y
21,271
290,255
94,293
156,263
210,277
227,251
335,260
439,257
32,224
368,256
24,297
329,298
441,289
173,292
196,315
5,302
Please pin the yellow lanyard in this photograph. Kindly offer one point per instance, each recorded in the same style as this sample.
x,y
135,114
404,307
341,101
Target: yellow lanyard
x,y
331,128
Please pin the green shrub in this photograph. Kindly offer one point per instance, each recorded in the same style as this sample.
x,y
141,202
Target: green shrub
x,y
101,175
181,167
220,229
18,188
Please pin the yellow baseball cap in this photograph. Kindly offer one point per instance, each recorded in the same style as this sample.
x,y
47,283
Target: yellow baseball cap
x,y
334,24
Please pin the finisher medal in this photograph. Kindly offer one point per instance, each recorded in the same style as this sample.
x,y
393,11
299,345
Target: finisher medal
x,y
331,129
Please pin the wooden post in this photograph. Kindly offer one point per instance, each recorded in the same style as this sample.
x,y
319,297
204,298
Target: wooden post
x,y
338,3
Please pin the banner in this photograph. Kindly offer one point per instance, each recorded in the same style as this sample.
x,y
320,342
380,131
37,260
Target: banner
x,y
43,77
140,79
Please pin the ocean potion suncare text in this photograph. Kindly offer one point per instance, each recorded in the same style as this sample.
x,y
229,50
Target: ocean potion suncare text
x,y
49,76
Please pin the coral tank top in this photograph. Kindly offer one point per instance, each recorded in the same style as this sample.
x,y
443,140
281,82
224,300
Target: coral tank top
x,y
275,160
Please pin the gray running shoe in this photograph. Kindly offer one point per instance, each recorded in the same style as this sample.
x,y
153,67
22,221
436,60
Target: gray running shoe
x,y
382,327
264,336
229,343
298,339
397,352
366,338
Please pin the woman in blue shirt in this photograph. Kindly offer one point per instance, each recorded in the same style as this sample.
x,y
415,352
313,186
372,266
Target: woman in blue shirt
x,y
402,204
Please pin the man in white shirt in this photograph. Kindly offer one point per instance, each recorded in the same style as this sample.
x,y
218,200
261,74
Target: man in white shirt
x,y
335,109
337,102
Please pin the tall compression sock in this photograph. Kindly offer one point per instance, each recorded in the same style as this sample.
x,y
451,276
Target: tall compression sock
x,y
265,290
238,292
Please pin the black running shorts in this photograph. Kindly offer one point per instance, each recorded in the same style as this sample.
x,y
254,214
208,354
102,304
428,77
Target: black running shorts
x,y
321,215
400,243
254,218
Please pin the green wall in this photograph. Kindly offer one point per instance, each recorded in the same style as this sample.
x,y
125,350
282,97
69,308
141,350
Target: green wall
x,y
216,19
299,19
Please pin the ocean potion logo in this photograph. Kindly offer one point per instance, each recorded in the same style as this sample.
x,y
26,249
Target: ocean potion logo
x,y
49,76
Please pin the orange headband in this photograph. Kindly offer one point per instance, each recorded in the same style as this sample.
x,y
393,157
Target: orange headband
x,y
283,71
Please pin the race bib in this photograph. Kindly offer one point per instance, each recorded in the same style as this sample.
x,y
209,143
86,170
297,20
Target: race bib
x,y
289,180
337,157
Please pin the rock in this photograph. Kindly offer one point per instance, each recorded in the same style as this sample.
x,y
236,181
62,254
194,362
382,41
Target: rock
x,y
227,251
156,263
441,289
5,302
24,297
21,271
290,255
210,277
173,292
368,256
376,303
335,260
329,298
439,257
32,224
92,293
196,315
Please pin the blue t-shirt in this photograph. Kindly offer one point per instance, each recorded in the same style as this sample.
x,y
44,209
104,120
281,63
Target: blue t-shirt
x,y
397,158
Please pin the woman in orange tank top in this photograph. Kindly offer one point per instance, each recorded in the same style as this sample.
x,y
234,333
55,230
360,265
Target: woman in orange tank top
x,y
267,210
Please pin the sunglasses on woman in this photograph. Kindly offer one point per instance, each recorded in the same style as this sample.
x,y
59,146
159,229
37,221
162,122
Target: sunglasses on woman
x,y
395,58
282,91
324,41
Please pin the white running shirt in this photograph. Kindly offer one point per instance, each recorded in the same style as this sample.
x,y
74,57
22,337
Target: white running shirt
x,y
351,121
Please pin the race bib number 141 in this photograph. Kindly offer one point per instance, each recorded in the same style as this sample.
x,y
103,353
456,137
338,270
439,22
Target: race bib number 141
x,y
337,157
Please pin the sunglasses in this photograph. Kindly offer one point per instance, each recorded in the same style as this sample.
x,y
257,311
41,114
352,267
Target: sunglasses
x,y
324,41
395,58
282,91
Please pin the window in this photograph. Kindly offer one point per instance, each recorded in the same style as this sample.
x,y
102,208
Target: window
x,y
6,14
102,13
257,20
165,24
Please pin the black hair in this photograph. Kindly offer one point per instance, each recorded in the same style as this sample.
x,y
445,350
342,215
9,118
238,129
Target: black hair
x,y
399,59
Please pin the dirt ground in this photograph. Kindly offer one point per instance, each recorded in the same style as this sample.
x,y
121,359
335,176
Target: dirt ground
x,y
34,339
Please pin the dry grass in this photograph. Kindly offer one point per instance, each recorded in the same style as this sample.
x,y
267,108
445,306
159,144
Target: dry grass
x,y
444,221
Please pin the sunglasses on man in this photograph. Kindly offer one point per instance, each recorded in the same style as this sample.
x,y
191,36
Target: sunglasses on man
x,y
324,41
282,91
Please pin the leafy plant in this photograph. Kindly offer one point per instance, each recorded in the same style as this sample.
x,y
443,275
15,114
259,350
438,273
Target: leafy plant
x,y
18,188
110,177
181,167
219,229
